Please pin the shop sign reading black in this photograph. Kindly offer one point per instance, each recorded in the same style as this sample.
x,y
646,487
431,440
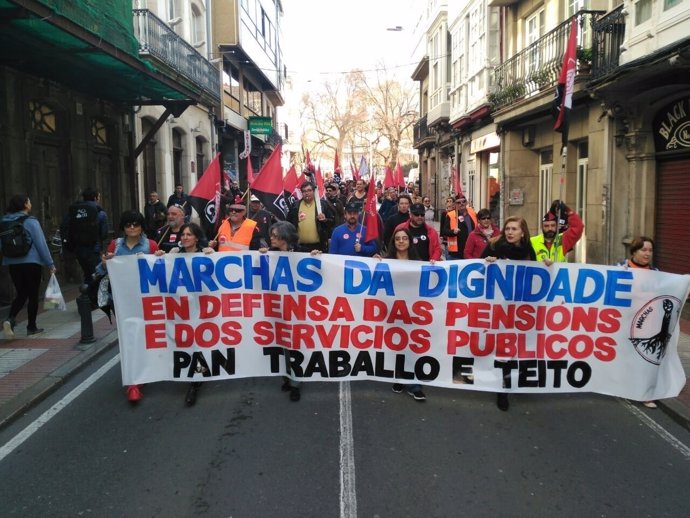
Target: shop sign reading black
x,y
672,126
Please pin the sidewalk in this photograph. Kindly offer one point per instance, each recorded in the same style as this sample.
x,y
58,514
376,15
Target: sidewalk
x,y
31,367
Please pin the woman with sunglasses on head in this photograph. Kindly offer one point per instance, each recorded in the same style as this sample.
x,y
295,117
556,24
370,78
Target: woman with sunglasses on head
x,y
133,242
480,236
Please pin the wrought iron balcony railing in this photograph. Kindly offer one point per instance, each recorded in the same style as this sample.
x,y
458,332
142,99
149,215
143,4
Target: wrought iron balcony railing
x,y
158,40
421,131
607,38
538,66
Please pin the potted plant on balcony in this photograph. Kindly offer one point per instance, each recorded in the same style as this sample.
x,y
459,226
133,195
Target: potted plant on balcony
x,y
584,60
541,78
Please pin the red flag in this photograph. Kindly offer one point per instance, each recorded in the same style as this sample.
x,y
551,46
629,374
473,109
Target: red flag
x,y
250,172
355,171
290,182
336,163
563,101
399,175
268,185
371,217
388,180
205,196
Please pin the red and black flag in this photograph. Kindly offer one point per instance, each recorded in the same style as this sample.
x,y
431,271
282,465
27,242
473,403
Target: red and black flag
x,y
268,185
205,197
563,100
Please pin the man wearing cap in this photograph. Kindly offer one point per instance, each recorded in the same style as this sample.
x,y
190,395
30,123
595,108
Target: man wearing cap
x,y
333,199
550,246
263,219
457,225
237,233
313,227
425,239
168,236
348,238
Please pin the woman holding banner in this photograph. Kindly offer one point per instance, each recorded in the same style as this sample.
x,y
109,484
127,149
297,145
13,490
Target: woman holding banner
x,y
399,247
284,238
133,242
191,237
512,243
641,255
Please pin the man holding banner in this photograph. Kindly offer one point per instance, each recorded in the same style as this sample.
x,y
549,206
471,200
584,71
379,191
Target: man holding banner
x,y
313,226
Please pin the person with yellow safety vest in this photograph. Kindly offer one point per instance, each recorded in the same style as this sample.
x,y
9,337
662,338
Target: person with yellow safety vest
x,y
551,246
457,225
237,233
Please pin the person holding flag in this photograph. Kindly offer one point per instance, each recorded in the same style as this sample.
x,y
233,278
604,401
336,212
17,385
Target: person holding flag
x,y
350,237
313,221
237,233
553,244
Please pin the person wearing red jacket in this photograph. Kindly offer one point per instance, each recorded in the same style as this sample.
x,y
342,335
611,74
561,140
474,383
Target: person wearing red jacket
x,y
479,237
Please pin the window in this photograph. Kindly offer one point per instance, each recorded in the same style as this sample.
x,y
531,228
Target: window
x,y
581,197
668,4
42,117
99,131
198,33
534,28
643,11
475,56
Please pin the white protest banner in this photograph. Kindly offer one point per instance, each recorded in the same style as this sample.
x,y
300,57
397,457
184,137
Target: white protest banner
x,y
510,325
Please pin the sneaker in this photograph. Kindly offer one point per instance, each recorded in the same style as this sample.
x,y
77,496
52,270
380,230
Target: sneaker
x,y
295,394
134,394
7,329
397,388
34,331
649,404
417,394
190,398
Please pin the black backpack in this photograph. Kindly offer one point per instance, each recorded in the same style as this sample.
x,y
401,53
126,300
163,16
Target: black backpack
x,y
83,227
16,241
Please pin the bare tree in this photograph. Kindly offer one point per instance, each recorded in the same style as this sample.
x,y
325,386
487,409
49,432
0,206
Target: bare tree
x,y
392,108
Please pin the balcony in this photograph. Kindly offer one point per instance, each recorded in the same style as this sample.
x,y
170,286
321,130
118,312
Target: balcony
x,y
158,40
537,67
607,38
421,132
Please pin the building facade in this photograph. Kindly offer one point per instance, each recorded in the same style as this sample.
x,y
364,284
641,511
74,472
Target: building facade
x,y
626,161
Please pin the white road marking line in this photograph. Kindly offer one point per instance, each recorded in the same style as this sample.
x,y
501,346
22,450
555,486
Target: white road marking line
x,y
658,429
348,496
27,432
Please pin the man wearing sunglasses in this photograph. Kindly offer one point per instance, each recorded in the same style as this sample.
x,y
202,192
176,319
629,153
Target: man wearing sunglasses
x,y
237,233
457,225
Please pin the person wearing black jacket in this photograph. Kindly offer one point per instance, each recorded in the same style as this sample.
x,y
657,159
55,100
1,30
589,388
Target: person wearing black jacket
x,y
313,227
512,243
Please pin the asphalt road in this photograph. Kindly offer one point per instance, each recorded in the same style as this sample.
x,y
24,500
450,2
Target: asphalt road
x,y
245,450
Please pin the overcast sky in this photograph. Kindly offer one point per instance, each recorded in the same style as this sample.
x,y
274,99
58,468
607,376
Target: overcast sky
x,y
324,37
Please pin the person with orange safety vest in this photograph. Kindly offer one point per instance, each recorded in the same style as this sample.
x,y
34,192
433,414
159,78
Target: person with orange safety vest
x,y
237,233
457,225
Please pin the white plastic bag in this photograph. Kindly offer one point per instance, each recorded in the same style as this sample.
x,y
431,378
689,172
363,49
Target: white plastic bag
x,y
53,298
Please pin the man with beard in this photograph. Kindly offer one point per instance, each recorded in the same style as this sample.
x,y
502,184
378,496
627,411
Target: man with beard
x,y
348,238
262,217
168,236
425,239
550,246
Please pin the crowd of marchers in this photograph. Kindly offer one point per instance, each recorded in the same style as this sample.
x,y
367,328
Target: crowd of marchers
x,y
330,222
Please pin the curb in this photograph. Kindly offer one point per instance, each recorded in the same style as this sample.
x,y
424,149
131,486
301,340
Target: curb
x,y
43,388
678,411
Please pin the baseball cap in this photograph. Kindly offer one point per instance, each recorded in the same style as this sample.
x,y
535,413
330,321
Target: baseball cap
x,y
417,208
254,198
352,207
